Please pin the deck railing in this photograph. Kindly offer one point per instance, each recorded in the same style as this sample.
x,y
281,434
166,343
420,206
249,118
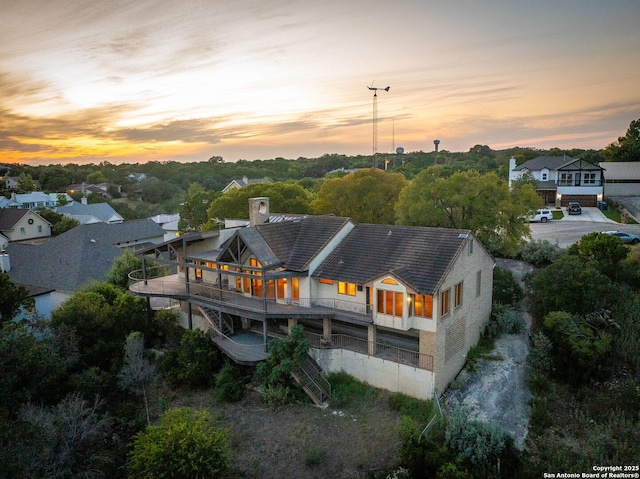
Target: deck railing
x,y
379,349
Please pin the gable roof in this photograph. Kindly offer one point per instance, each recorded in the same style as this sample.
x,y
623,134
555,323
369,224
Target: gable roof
x,y
621,170
70,260
10,217
545,162
297,242
102,211
418,256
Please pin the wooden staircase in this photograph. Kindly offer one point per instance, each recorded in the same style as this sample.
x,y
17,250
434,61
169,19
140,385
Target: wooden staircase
x,y
309,375
222,322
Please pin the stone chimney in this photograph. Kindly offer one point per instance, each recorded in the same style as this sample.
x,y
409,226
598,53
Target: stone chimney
x,y
258,211
5,265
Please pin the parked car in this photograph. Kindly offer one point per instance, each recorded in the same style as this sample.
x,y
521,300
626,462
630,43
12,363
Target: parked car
x,y
542,215
626,238
574,208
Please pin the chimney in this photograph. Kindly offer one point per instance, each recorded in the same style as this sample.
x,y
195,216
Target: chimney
x,y
5,265
245,180
258,211
83,200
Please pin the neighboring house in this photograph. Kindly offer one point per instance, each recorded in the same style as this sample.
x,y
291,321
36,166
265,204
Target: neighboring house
x,y
38,199
67,262
100,188
241,183
621,178
169,224
396,306
23,225
137,177
11,182
562,179
6,203
90,213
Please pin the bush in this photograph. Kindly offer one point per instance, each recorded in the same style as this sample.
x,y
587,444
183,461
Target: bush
x,y
193,363
417,409
347,391
539,357
506,289
229,384
540,253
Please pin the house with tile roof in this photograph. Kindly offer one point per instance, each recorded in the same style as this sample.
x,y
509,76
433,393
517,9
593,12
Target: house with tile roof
x,y
562,179
242,182
67,262
22,225
395,306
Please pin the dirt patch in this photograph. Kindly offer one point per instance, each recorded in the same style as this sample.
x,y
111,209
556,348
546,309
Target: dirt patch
x,y
306,441
497,393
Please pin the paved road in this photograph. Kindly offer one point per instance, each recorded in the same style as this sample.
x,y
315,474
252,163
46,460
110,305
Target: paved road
x,y
571,228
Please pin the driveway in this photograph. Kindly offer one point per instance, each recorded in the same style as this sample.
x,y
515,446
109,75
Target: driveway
x,y
571,229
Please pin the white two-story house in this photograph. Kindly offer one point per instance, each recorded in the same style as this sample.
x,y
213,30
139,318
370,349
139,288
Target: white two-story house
x,y
395,306
562,179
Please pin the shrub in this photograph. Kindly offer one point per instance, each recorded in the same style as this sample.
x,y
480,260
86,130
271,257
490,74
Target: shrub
x,y
229,384
348,391
540,253
539,357
193,363
506,289
417,409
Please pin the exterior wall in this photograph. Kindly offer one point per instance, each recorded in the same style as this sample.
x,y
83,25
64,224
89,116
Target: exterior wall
x,y
59,297
380,373
461,328
622,189
30,222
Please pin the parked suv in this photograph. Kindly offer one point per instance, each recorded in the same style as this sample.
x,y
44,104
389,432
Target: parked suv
x,y
542,215
574,208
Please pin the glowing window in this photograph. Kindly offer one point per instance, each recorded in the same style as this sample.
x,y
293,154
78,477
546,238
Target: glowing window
x,y
389,281
423,305
346,288
295,289
326,281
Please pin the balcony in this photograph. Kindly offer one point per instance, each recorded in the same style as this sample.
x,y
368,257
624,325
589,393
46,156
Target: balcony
x,y
241,304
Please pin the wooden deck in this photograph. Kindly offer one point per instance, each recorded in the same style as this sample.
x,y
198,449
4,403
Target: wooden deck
x,y
240,304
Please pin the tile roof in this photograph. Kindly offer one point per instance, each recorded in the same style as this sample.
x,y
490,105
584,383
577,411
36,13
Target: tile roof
x,y
416,255
297,242
70,260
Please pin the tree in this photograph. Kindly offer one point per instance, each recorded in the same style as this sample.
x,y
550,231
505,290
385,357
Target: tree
x,y
468,200
627,148
605,251
193,213
59,222
68,440
506,289
61,199
184,443
12,298
26,183
137,372
283,198
367,196
571,285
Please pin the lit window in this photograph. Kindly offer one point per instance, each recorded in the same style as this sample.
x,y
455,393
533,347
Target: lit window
x,y
457,300
346,288
389,281
295,289
326,281
444,302
423,305
390,302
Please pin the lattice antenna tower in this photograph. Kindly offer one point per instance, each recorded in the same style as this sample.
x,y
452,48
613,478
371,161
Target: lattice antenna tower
x,y
375,117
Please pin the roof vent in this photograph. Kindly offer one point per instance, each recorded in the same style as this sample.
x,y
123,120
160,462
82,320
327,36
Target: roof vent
x,y
340,262
389,233
92,240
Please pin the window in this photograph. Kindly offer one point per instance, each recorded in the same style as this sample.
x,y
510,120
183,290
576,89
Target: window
x,y
389,281
470,246
478,283
22,232
566,179
589,178
457,297
326,281
295,289
444,302
390,302
544,177
422,305
39,228
281,287
346,288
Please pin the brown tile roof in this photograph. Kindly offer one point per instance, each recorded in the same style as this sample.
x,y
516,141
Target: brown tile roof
x,y
418,256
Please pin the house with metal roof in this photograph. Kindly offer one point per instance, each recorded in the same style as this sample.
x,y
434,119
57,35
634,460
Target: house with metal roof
x,y
395,306
562,179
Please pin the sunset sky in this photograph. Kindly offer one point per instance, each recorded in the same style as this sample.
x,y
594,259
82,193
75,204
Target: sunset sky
x,y
131,81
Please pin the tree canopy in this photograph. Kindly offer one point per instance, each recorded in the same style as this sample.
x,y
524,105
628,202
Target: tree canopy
x,y
627,148
469,200
367,196
12,298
